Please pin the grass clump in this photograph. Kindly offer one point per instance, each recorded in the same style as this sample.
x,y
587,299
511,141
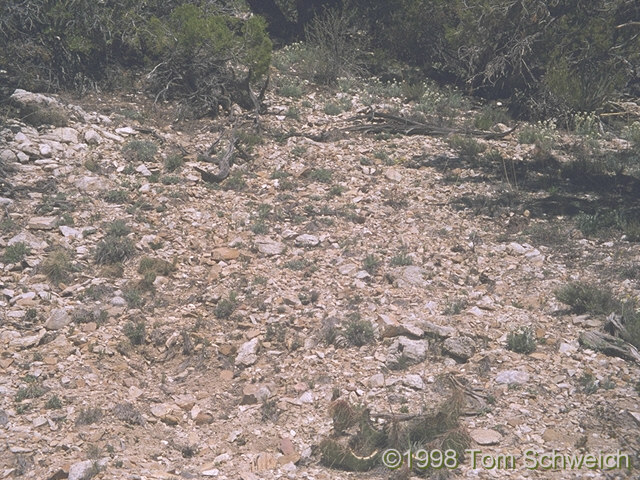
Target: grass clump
x,y
57,266
173,163
114,250
586,298
359,332
234,182
156,266
89,415
115,247
53,403
401,260
521,340
371,263
135,331
32,389
140,151
466,147
15,253
226,307
322,175
116,196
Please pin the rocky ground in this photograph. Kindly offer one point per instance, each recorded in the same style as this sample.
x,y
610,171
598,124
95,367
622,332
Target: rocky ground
x,y
156,326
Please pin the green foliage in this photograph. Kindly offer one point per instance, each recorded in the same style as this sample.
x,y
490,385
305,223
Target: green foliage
x,y
57,266
521,340
173,163
586,298
359,332
192,50
226,307
140,151
15,253
135,332
113,249
466,147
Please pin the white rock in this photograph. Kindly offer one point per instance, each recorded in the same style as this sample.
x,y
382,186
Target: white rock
x,y
512,376
483,436
142,169
7,156
306,240
58,319
92,137
45,150
376,381
413,381
247,353
126,131
42,223
67,232
29,239
268,246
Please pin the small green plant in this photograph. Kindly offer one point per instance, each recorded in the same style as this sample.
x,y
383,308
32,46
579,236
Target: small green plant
x,y
359,332
53,403
113,249
57,266
632,134
280,175
140,151
15,253
260,227
89,415
322,175
135,332
401,260
116,196
92,165
521,340
542,134
173,163
170,180
297,264
290,89
466,147
332,108
589,383
298,150
270,411
226,306
456,306
586,298
118,228
586,124
32,389
371,263
336,191
235,182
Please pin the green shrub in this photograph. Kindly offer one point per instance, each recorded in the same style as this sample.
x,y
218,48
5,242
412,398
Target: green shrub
x,y
226,307
135,332
521,340
335,46
118,228
157,266
322,175
371,263
140,151
173,163
113,250
466,147
57,266
116,196
586,298
15,253
359,332
89,415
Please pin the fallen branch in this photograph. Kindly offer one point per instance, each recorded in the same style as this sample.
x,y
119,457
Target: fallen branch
x,y
224,163
382,122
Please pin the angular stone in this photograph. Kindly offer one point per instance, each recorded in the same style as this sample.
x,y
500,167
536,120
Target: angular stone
x,y
268,246
412,275
376,381
247,353
42,223
413,381
63,135
306,240
512,376
483,436
460,348
29,239
393,175
225,253
7,156
406,351
59,318
91,137
433,330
